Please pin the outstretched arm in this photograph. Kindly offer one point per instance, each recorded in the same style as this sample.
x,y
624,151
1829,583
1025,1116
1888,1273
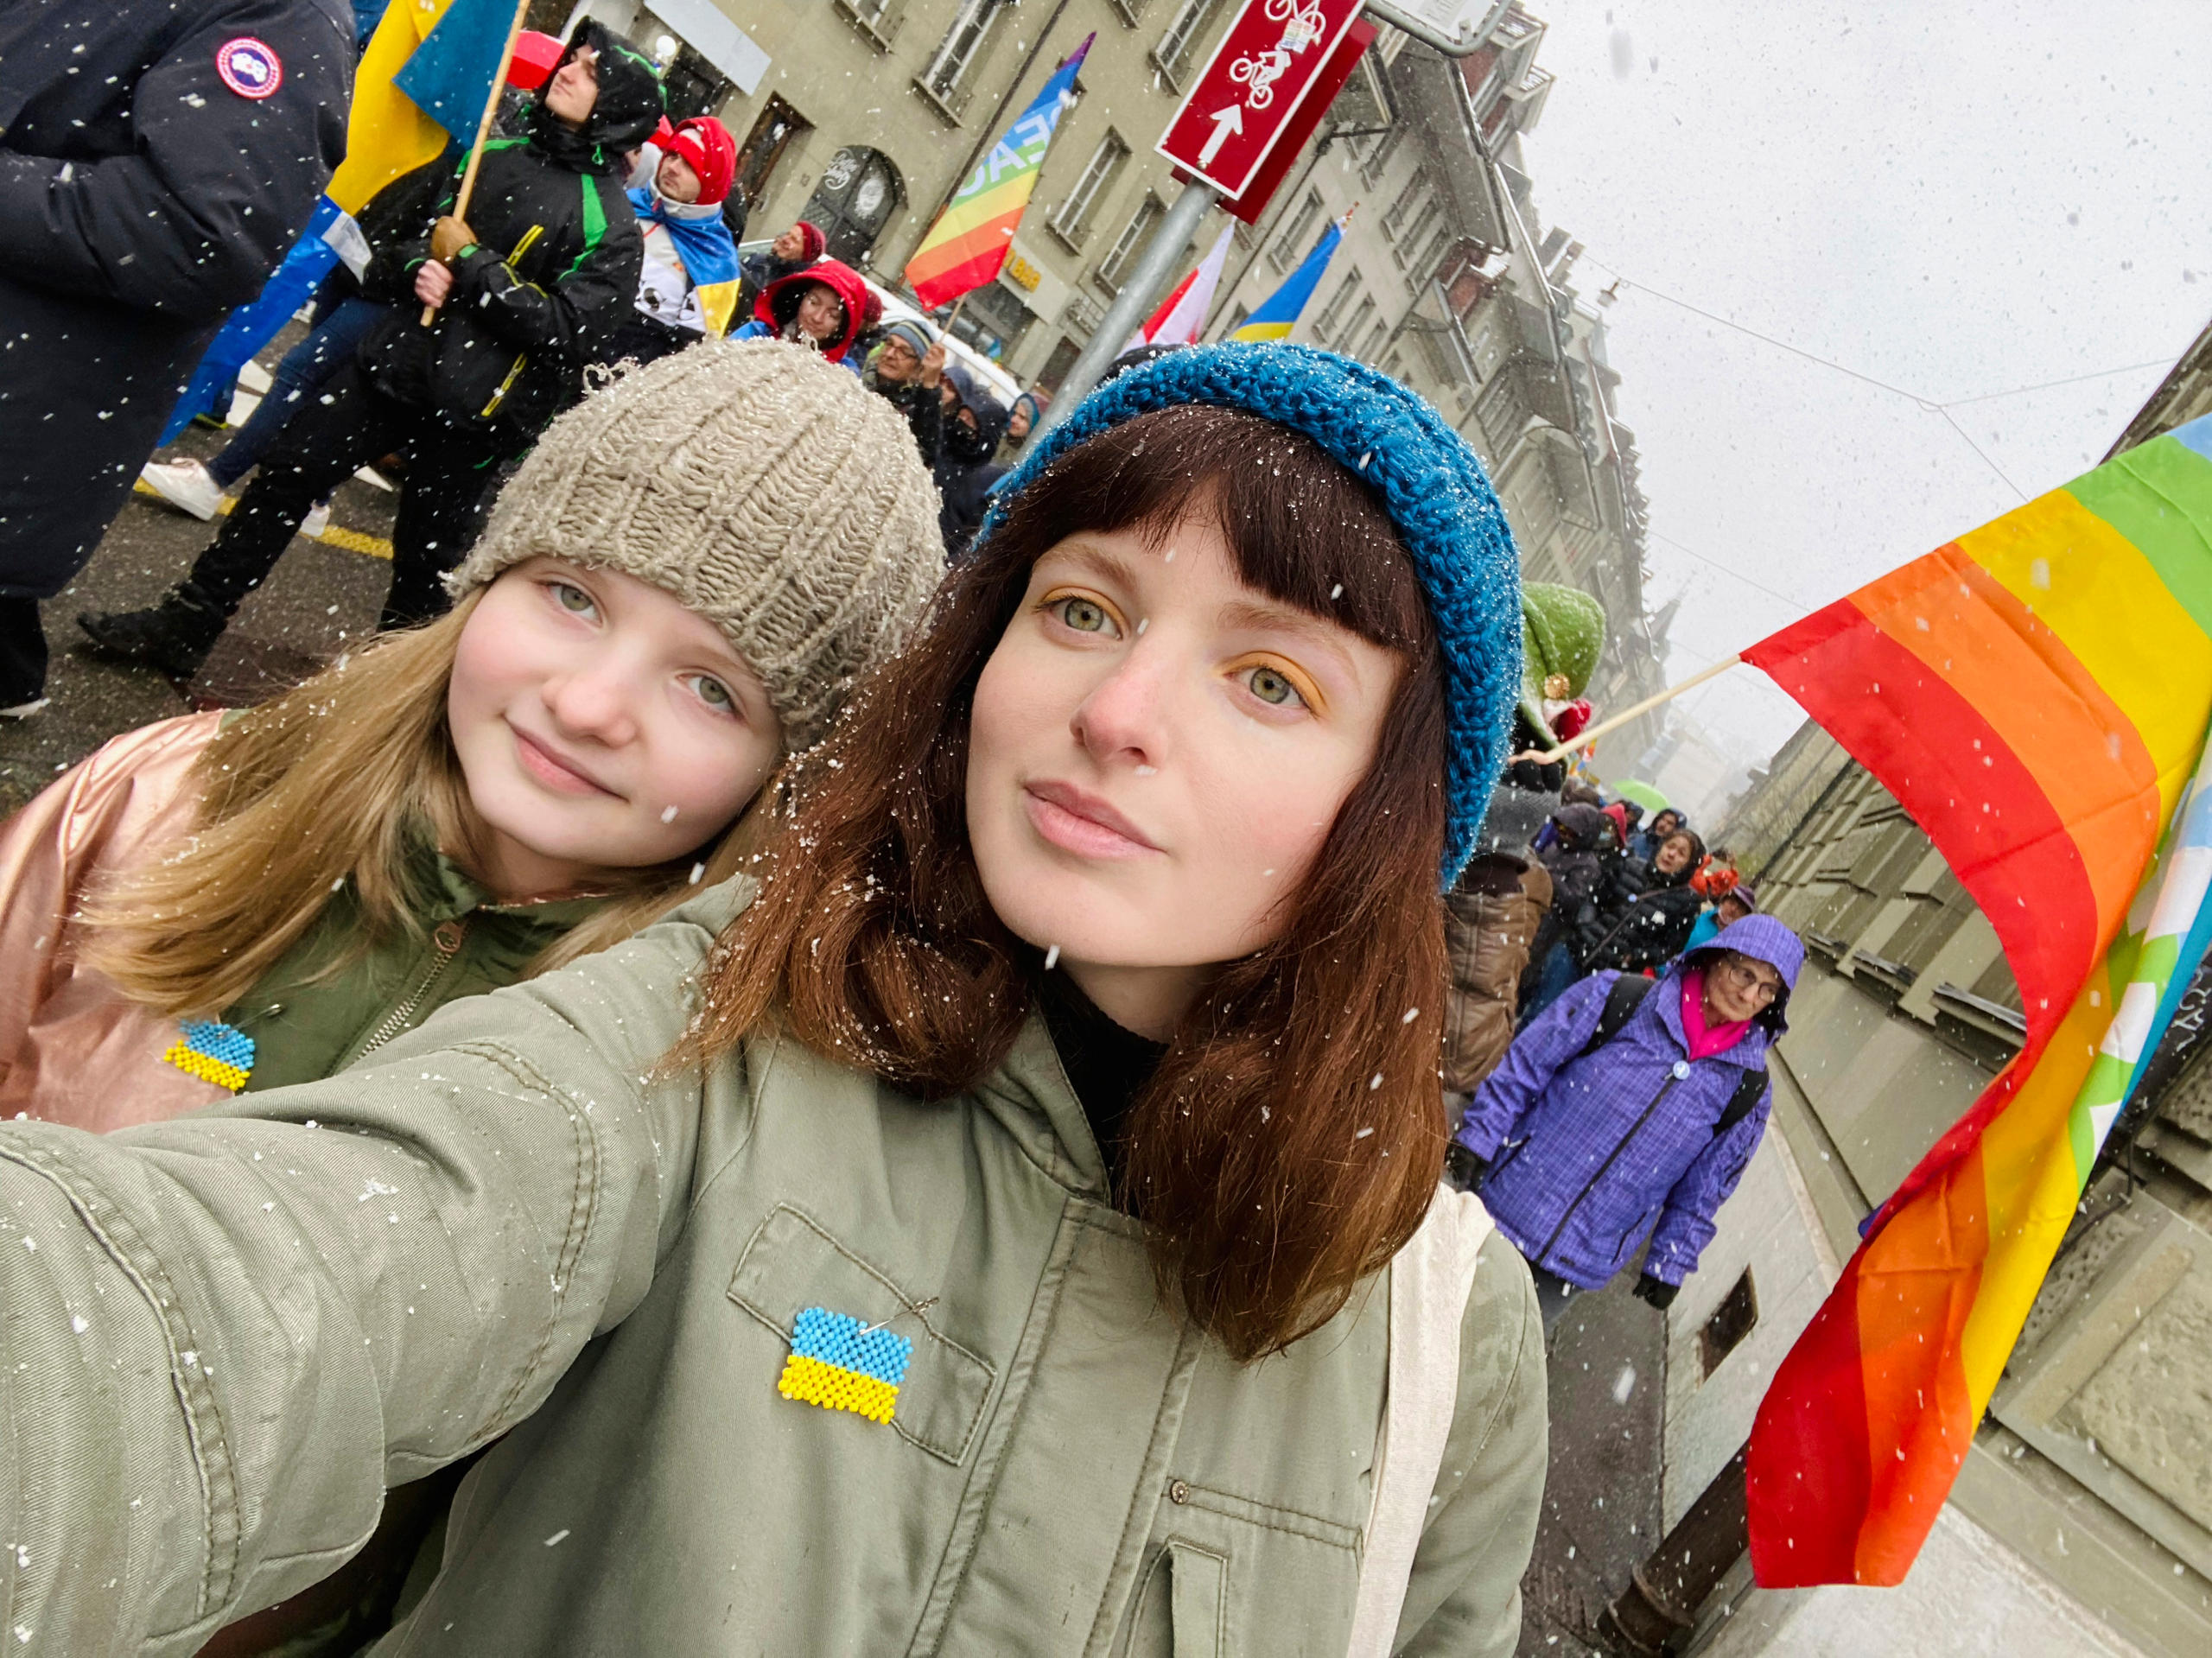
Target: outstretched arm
x,y
221,1337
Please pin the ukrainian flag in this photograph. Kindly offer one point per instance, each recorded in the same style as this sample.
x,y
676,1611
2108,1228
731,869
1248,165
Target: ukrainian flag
x,y
1278,313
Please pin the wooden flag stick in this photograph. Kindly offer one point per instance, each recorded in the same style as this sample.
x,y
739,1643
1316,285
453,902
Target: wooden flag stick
x,y
484,130
1646,707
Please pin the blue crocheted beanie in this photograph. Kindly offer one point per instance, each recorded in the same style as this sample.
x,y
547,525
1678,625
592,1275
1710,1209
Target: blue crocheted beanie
x,y
1428,482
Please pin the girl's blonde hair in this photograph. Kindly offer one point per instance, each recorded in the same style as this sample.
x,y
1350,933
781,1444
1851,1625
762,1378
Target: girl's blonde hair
x,y
317,788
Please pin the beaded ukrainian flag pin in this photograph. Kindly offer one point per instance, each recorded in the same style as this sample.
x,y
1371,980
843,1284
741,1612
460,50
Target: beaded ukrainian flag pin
x,y
840,1363
214,1053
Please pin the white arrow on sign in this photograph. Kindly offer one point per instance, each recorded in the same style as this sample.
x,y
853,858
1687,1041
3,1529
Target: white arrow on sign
x,y
1225,122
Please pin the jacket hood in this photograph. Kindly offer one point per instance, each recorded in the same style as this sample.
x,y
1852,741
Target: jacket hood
x,y
1582,827
778,301
1423,474
991,416
627,112
1763,939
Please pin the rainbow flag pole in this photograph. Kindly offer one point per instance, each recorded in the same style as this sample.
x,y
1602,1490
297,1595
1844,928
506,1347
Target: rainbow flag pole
x,y
1278,314
966,246
2036,695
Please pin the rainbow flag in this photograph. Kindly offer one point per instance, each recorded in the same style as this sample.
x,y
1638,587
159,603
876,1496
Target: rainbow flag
x,y
1278,313
966,246
2036,695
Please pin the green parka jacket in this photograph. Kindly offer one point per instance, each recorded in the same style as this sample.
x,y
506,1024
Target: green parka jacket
x,y
225,1336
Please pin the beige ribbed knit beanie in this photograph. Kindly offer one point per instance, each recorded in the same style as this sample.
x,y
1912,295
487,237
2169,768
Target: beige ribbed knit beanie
x,y
759,484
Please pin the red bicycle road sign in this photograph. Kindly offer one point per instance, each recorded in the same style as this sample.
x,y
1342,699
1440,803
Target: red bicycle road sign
x,y
1241,102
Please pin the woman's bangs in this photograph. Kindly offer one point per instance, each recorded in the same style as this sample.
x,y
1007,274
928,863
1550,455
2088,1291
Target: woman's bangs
x,y
1303,529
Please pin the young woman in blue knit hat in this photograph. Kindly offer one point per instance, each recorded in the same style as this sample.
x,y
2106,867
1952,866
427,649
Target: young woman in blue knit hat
x,y
1009,1223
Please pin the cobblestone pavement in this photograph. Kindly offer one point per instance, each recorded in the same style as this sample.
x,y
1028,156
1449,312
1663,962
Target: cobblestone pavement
x,y
1602,1496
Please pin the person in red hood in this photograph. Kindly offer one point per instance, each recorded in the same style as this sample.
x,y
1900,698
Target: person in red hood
x,y
822,306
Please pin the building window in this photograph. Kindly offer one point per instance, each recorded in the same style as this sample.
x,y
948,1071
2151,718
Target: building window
x,y
1378,156
1371,347
1362,315
1394,366
1071,223
1236,316
1130,243
1297,237
878,20
1177,55
1325,325
961,45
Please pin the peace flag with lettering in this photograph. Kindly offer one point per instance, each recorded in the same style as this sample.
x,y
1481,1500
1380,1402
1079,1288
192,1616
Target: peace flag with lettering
x,y
966,246
2036,695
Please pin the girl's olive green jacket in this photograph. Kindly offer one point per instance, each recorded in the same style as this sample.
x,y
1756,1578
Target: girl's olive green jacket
x,y
226,1335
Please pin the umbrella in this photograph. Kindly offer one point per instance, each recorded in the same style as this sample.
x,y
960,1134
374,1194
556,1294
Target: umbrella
x,y
1643,794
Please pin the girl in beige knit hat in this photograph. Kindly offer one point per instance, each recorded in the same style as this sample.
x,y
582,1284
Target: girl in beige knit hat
x,y
678,589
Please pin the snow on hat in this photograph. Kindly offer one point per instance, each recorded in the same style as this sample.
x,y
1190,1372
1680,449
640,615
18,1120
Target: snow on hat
x,y
1426,478
811,241
706,144
760,484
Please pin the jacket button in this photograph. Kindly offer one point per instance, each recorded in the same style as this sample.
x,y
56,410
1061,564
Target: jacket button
x,y
446,937
1178,1492
1682,1068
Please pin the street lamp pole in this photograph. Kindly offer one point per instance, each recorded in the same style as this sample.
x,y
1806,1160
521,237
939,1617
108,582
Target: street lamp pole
x,y
1139,289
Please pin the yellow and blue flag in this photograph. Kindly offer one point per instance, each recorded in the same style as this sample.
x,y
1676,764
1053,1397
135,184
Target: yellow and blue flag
x,y
1278,313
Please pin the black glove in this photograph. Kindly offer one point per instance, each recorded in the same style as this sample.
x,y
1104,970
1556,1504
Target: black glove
x,y
1463,1169
1659,1292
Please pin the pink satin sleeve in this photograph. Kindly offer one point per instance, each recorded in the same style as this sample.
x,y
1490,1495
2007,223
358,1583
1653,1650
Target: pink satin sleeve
x,y
72,1049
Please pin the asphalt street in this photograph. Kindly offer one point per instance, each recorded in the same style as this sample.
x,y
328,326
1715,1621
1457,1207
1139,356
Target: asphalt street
x,y
323,596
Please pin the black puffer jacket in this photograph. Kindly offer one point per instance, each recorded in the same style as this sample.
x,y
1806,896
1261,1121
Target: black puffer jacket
x,y
1651,921
1577,862
157,160
554,274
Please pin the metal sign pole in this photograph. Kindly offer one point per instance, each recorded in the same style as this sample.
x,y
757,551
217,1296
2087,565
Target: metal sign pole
x,y
1139,290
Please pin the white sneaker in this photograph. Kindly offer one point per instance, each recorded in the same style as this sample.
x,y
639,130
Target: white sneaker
x,y
184,483
317,521
23,711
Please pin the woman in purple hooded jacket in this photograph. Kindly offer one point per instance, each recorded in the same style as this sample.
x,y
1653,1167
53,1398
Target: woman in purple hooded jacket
x,y
1583,1146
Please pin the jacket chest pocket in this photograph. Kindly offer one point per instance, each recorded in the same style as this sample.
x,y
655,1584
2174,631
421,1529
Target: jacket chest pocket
x,y
792,1265
1229,1577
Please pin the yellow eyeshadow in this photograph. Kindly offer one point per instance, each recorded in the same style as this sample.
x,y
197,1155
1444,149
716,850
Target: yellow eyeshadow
x,y
1299,680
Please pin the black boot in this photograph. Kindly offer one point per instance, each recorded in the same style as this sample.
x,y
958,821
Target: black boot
x,y
174,636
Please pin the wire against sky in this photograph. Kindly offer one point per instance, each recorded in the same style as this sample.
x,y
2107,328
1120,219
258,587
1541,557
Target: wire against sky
x,y
1929,404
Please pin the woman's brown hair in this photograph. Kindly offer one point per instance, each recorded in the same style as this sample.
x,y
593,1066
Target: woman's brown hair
x,y
323,785
1290,1141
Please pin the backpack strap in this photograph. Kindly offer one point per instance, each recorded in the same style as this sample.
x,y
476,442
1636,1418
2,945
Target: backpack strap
x,y
1622,1000
1430,1281
1742,1101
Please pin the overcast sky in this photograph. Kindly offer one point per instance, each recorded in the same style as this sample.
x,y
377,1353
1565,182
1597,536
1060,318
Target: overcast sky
x,y
1958,200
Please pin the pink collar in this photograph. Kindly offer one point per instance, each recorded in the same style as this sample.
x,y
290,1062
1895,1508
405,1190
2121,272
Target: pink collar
x,y
1706,1039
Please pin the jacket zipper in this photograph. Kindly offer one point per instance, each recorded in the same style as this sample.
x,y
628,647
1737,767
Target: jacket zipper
x,y
1635,1128
445,945
513,263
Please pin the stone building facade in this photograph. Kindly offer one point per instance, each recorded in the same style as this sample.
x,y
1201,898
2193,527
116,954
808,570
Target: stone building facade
x,y
864,115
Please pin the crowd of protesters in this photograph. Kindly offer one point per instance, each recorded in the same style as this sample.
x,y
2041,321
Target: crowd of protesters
x,y
656,901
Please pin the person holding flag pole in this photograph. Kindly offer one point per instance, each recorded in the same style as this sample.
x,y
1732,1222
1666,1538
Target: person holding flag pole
x,y
523,292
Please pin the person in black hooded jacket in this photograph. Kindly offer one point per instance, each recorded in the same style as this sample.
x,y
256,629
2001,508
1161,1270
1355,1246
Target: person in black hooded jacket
x,y
975,422
528,291
1654,909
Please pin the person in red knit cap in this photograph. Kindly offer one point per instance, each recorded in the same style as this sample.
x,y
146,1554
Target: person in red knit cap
x,y
687,289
